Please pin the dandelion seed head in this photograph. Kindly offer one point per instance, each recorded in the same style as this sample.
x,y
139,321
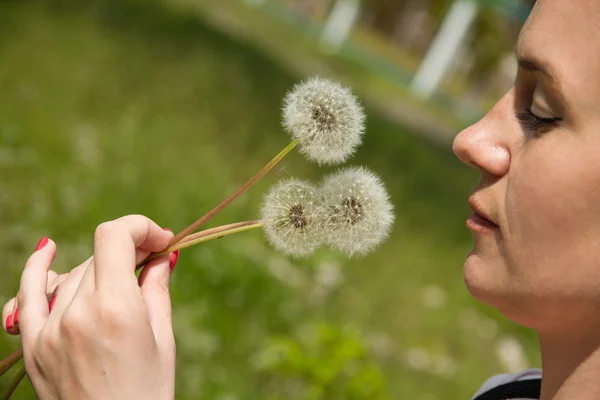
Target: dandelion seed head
x,y
326,118
358,214
291,214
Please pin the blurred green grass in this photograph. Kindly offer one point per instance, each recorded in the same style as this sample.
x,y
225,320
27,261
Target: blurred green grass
x,y
116,107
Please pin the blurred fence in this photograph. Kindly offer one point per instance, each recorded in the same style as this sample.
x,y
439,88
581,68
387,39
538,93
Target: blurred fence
x,y
434,50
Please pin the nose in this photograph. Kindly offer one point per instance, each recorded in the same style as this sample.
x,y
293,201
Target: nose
x,y
484,145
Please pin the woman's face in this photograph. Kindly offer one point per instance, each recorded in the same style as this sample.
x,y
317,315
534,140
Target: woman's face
x,y
538,153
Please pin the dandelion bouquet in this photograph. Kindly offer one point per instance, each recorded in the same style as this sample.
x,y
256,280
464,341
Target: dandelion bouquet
x,y
349,211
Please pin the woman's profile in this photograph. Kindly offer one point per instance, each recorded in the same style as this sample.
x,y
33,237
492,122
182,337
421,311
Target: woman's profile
x,y
536,216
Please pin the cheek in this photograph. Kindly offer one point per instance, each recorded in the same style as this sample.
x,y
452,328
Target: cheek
x,y
552,209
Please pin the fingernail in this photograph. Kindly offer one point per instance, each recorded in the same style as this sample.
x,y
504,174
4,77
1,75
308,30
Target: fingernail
x,y
51,305
173,260
167,230
16,317
43,241
9,322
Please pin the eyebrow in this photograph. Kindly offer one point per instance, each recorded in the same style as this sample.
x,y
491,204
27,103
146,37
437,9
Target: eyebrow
x,y
535,66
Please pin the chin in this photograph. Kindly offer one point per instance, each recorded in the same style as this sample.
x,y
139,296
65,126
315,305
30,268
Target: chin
x,y
486,282
491,285
478,287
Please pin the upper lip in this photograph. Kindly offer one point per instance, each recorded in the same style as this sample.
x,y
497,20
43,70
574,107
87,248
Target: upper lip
x,y
478,208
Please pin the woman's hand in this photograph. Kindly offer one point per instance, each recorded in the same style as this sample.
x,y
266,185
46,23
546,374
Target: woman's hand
x,y
109,335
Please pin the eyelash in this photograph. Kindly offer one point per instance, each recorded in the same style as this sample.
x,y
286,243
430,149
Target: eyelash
x,y
534,123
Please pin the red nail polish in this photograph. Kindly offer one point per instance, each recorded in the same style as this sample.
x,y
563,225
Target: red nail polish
x,y
51,305
43,241
9,322
173,260
16,317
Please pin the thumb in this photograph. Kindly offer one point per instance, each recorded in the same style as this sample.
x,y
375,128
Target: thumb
x,y
154,285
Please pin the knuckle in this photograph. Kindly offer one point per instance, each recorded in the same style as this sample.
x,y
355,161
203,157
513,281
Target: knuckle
x,y
136,217
137,222
134,220
105,229
52,345
111,315
48,344
75,321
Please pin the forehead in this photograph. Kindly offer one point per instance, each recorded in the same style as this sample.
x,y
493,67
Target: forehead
x,y
576,18
565,35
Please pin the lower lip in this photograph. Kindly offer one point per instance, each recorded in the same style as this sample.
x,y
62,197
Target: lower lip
x,y
479,224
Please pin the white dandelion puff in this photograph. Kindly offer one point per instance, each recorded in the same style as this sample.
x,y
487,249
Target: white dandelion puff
x,y
326,119
358,213
291,215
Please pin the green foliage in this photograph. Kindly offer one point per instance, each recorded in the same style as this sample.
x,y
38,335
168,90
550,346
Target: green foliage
x,y
492,39
321,362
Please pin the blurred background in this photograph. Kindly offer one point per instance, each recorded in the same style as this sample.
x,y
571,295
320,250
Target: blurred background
x,y
164,107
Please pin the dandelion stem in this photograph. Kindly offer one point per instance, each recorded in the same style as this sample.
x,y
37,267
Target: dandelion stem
x,y
218,229
205,236
201,221
14,382
9,361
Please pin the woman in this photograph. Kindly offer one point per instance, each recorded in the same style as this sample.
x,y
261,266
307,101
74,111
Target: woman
x,y
536,224
536,227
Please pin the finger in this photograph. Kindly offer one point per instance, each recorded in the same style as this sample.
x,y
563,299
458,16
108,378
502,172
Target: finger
x,y
7,316
115,245
33,304
141,254
13,323
154,284
68,290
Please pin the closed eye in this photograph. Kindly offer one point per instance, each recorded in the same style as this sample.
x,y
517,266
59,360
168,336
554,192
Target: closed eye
x,y
534,124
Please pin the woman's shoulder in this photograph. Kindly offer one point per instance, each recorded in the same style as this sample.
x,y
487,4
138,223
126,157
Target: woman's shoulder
x,y
502,379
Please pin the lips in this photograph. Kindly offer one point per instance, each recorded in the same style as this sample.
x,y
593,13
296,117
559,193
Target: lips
x,y
480,219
